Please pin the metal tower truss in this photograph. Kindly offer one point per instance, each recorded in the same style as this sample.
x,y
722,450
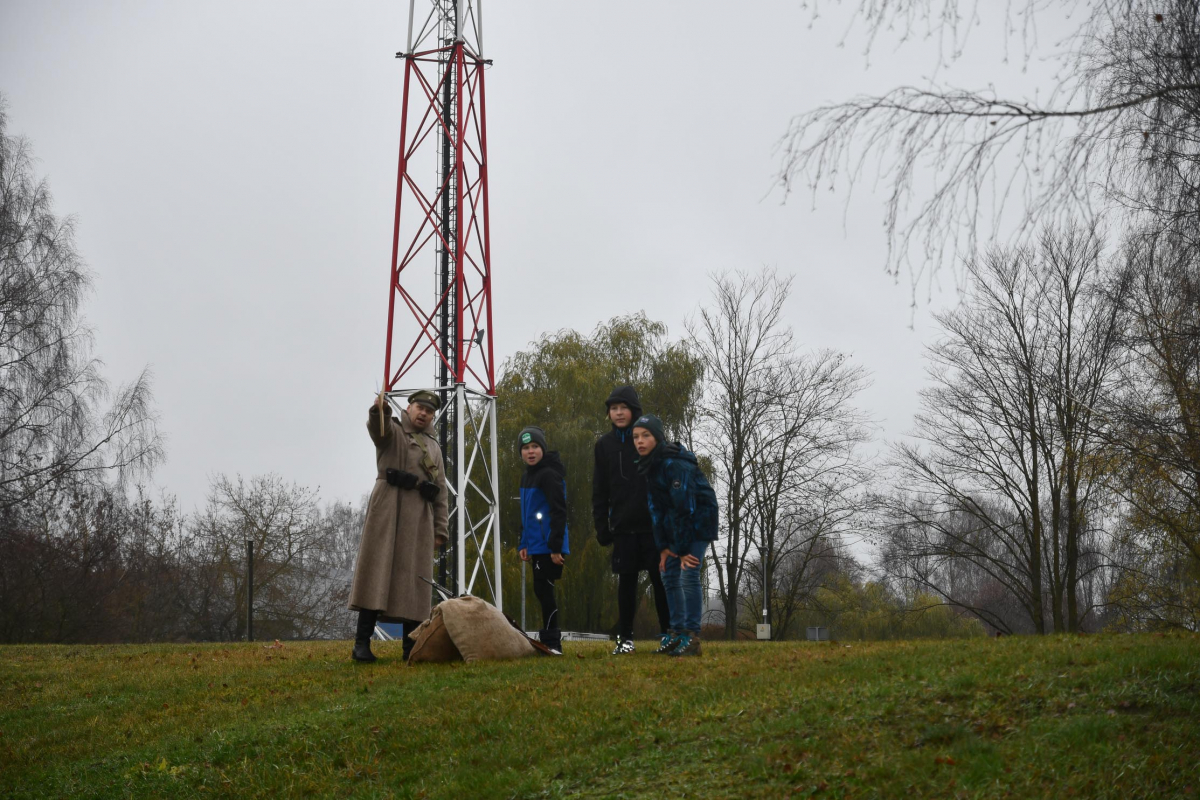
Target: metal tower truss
x,y
441,319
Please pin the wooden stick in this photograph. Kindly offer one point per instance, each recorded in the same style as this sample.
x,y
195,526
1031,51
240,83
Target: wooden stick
x,y
382,418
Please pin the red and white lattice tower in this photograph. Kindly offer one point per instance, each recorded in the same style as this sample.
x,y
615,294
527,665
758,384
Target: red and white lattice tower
x,y
440,319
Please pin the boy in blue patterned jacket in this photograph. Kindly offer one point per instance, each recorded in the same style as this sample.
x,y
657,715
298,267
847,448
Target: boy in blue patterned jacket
x,y
544,526
683,507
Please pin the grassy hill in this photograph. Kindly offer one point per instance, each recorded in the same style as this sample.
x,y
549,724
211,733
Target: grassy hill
x,y
1096,716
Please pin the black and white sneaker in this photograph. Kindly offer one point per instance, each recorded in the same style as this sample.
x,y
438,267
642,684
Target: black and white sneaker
x,y
623,646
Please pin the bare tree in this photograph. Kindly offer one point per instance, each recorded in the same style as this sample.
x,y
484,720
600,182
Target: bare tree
x,y
740,340
1117,130
55,423
1007,480
299,586
1079,369
806,474
782,432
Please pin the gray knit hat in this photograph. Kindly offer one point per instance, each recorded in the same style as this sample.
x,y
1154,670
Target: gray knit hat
x,y
652,424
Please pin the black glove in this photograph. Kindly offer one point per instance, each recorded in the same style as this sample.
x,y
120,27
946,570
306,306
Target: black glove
x,y
401,478
428,490
604,536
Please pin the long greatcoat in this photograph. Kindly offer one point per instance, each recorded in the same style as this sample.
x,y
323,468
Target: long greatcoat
x,y
397,541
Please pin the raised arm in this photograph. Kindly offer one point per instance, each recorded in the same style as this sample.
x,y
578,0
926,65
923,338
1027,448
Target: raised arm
x,y
380,432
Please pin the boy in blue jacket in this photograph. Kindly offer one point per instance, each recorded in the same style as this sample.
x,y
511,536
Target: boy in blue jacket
x,y
683,507
544,526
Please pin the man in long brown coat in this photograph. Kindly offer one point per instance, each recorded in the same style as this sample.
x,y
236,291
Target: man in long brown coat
x,y
407,513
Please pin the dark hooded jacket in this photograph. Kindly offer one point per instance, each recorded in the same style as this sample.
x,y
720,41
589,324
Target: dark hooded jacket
x,y
619,506
544,507
683,505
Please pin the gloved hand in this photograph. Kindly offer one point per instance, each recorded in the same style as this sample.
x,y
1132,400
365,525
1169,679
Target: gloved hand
x,y
428,490
401,478
604,536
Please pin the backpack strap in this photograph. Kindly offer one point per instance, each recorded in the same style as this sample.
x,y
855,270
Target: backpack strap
x,y
427,461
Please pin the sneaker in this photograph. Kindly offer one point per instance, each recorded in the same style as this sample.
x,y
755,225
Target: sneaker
x,y
669,641
689,645
552,639
623,646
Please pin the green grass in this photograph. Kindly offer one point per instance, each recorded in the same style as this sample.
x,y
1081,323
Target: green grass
x,y
1096,716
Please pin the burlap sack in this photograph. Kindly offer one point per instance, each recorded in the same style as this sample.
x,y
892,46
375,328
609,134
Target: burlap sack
x,y
432,642
476,631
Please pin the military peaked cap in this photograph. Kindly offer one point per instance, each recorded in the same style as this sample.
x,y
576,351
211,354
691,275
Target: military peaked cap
x,y
427,399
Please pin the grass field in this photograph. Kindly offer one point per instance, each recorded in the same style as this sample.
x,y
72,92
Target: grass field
x,y
1095,716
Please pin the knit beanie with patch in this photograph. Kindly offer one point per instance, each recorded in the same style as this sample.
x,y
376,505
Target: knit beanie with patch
x,y
532,435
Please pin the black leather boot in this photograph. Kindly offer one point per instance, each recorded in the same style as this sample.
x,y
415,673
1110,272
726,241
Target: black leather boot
x,y
408,626
362,636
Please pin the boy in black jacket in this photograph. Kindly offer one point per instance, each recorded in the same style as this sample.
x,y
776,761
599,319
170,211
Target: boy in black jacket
x,y
622,516
544,526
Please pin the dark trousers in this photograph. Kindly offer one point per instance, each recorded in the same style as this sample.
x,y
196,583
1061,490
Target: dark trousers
x,y
627,601
545,574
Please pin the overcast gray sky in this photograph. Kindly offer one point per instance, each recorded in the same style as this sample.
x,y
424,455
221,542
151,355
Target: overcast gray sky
x,y
232,168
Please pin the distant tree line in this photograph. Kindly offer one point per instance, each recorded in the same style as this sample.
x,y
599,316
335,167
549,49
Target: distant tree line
x,y
90,562
1051,481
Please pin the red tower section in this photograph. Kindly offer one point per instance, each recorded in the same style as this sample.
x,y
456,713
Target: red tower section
x,y
442,210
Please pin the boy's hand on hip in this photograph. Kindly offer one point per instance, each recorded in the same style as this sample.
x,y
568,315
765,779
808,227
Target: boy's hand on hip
x,y
557,558
689,561
523,553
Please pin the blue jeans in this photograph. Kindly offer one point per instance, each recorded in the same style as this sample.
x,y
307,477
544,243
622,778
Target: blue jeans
x,y
685,597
